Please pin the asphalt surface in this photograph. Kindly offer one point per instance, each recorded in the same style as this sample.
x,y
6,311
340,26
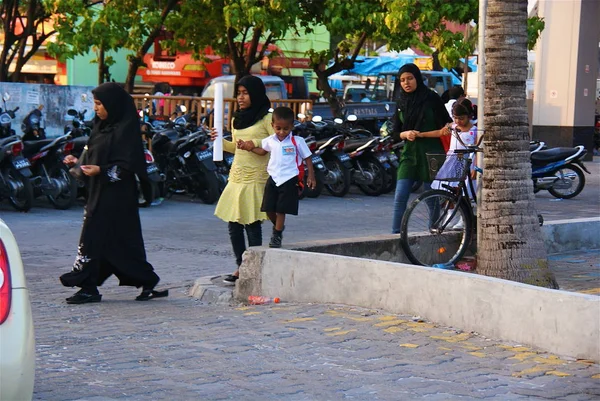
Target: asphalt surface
x,y
181,349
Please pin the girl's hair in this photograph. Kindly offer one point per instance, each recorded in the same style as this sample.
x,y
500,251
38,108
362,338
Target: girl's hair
x,y
462,107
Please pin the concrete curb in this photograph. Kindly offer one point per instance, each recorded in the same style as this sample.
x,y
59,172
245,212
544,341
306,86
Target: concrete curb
x,y
207,290
561,322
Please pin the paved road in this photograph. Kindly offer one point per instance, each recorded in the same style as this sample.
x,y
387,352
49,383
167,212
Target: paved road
x,y
180,349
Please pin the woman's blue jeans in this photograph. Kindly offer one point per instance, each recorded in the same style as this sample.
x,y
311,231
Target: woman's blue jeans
x,y
403,190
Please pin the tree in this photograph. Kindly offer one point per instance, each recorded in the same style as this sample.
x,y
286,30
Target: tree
x,y
401,23
26,25
510,244
243,30
109,25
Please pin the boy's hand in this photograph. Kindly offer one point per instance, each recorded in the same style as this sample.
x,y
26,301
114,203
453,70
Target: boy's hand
x,y
245,145
311,182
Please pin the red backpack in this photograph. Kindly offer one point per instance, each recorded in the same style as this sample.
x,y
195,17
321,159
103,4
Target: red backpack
x,y
300,165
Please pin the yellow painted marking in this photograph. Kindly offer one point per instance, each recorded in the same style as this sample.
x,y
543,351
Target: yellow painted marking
x,y
252,313
514,349
332,329
360,319
445,349
523,355
408,345
470,347
420,324
335,313
557,373
393,329
529,371
587,361
243,308
386,318
453,339
478,354
591,291
550,360
299,319
388,323
341,333
596,377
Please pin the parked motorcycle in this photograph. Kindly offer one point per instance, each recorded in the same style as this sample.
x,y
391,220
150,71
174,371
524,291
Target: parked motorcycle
x,y
559,171
15,184
51,176
33,125
6,118
187,163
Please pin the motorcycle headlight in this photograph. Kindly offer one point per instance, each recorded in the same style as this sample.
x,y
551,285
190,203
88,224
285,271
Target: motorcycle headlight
x,y
5,119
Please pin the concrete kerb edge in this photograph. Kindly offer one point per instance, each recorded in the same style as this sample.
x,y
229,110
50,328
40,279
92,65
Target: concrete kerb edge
x,y
561,322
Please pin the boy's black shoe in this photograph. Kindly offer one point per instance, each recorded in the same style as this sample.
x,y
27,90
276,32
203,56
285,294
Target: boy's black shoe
x,y
81,297
230,279
276,239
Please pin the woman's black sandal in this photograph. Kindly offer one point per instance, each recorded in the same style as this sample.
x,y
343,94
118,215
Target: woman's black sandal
x,y
147,295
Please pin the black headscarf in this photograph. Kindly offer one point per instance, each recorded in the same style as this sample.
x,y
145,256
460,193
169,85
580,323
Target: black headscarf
x,y
260,103
413,104
115,141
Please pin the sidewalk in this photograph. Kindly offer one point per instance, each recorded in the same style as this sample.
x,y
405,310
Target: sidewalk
x,y
577,271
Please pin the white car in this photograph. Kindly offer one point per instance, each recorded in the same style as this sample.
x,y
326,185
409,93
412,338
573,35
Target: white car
x,y
17,341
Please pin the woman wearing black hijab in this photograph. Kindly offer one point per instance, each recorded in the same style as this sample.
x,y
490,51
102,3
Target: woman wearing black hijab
x,y
421,120
111,238
239,204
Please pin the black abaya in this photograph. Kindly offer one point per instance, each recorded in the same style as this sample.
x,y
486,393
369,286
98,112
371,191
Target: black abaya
x,y
111,239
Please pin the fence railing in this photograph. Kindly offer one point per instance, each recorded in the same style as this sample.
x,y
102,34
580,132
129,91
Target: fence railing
x,y
165,106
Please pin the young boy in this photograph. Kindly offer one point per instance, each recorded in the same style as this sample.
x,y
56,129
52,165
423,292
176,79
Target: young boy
x,y
287,153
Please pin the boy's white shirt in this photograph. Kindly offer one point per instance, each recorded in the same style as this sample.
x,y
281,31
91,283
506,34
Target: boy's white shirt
x,y
282,163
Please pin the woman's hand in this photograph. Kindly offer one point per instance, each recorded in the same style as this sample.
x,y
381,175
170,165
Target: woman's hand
x,y
70,160
446,130
409,135
90,170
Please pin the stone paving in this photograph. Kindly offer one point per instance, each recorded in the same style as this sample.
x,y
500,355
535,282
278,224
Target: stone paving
x,y
181,349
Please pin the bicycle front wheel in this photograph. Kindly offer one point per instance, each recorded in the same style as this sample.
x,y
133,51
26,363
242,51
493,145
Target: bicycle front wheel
x,y
436,229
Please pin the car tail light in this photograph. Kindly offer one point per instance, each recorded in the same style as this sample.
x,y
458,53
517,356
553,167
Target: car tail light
x,y
68,148
17,148
5,286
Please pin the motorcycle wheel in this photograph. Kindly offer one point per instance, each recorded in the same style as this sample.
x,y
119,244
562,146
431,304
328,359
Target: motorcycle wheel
x,y
209,191
341,187
22,197
68,196
390,180
379,179
313,193
569,174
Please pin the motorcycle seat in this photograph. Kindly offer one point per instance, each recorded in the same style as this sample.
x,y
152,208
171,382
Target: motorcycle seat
x,y
326,141
9,139
32,147
356,144
553,155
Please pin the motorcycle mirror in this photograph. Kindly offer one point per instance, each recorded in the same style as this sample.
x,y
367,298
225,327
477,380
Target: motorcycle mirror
x,y
183,108
317,119
387,107
141,113
301,116
6,97
352,118
72,112
338,121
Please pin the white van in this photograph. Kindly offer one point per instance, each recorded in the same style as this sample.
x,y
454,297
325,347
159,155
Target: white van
x,y
274,85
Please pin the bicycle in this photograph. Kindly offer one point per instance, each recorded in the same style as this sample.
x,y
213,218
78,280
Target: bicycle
x,y
438,225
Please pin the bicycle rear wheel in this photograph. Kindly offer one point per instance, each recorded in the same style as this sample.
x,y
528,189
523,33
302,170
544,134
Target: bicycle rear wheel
x,y
431,231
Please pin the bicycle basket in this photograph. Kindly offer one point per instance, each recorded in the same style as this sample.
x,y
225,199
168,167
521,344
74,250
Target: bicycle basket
x,y
452,167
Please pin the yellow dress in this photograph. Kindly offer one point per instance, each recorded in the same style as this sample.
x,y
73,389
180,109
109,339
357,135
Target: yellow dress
x,y
241,200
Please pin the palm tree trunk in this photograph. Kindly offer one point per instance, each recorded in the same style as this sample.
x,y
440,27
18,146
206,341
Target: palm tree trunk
x,y
510,243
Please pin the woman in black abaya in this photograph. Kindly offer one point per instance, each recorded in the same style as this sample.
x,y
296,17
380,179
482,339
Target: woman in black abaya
x,y
111,238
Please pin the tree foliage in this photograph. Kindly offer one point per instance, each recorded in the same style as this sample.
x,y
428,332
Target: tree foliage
x,y
109,26
26,26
